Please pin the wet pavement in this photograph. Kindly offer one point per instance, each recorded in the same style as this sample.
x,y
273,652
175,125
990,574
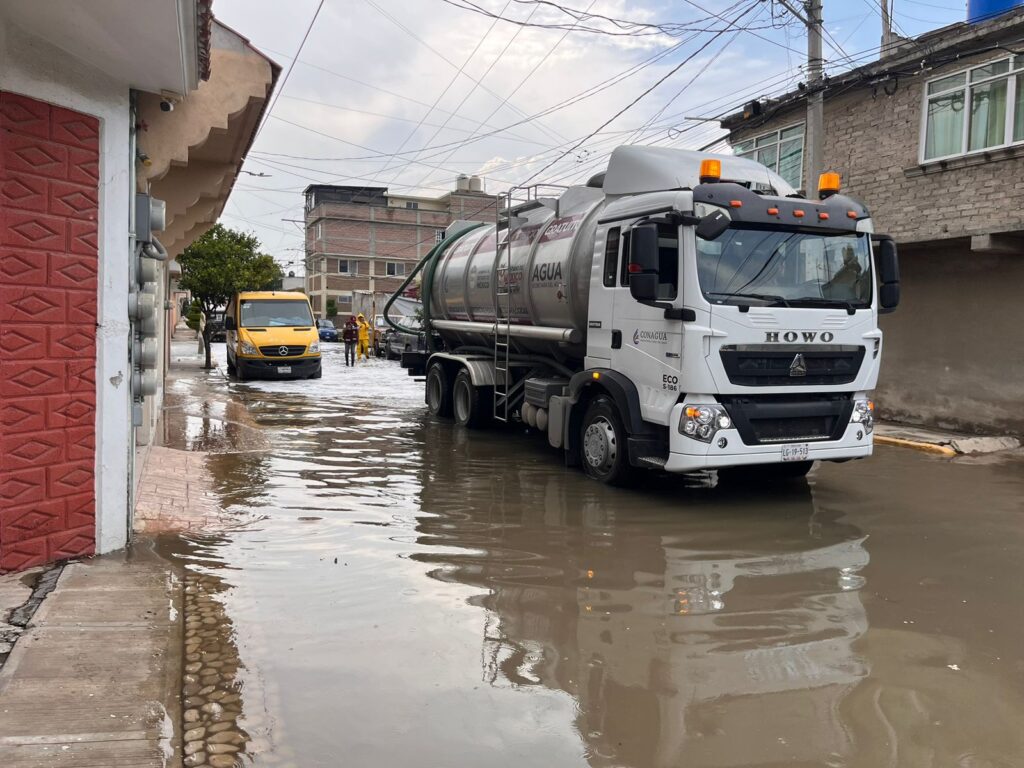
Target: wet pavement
x,y
401,592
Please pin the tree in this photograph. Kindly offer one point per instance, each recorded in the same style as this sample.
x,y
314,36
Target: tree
x,y
221,263
332,308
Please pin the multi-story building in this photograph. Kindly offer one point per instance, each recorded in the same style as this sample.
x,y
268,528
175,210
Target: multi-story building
x,y
931,138
361,242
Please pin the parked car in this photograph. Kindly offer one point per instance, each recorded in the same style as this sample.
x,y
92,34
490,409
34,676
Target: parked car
x,y
326,330
397,342
215,324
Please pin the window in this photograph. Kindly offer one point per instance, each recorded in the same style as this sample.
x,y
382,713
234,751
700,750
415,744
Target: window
x,y
781,151
611,257
411,205
346,267
974,110
275,313
394,268
668,261
438,235
319,230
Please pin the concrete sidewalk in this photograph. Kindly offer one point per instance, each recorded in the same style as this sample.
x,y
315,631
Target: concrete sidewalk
x,y
941,443
94,678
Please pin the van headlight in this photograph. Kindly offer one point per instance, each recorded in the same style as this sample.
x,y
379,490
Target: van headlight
x,y
701,422
864,414
314,347
245,348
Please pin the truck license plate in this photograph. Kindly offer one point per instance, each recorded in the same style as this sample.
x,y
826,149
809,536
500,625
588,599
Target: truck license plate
x,y
797,452
288,369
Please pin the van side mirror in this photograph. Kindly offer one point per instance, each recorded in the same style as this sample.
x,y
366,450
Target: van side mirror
x,y
888,265
229,323
643,262
712,225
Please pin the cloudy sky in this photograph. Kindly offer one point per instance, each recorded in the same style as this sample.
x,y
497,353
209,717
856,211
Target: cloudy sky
x,y
408,94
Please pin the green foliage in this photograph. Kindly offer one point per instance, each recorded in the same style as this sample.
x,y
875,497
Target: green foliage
x,y
332,308
192,317
223,262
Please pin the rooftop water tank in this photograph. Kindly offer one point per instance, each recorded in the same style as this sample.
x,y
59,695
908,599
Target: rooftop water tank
x,y
462,183
983,10
476,184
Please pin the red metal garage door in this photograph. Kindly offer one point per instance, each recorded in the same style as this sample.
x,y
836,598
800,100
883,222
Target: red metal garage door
x,y
49,205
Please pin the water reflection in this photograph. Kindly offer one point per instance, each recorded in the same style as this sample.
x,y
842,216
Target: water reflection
x,y
692,625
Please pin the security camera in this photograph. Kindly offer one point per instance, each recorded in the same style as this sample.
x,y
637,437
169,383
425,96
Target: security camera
x,y
166,105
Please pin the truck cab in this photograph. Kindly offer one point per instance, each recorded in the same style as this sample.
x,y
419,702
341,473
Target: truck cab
x,y
271,335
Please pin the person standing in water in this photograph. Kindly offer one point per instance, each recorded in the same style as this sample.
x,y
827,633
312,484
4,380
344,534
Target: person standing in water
x,y
350,335
363,349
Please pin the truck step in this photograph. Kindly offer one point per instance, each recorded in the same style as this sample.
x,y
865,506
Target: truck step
x,y
654,461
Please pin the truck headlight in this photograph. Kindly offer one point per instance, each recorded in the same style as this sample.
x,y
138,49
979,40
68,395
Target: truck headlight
x,y
314,347
245,348
864,414
702,422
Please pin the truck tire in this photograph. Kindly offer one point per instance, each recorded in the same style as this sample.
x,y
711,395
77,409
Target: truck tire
x,y
470,404
438,391
604,443
766,473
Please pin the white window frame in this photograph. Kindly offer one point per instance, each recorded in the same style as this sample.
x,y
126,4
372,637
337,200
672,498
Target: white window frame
x,y
348,265
438,236
1016,67
319,231
396,265
751,154
412,205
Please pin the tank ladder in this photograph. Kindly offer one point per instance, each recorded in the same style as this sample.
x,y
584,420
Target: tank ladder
x,y
503,308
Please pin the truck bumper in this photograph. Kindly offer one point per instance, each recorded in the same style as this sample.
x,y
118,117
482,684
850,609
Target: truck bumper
x,y
689,455
257,368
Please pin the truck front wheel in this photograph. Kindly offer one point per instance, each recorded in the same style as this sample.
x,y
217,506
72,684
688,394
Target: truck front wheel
x,y
603,443
439,391
469,402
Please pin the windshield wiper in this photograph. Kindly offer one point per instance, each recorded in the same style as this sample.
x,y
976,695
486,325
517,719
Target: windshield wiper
x,y
761,296
821,301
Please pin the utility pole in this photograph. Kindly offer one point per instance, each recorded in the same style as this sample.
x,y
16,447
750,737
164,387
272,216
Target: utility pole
x,y
886,28
814,133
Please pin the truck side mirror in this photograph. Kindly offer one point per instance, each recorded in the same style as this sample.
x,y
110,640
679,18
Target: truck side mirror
x,y
643,262
888,265
229,323
712,225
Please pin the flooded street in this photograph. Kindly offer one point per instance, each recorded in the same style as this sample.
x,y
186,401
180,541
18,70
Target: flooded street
x,y
400,592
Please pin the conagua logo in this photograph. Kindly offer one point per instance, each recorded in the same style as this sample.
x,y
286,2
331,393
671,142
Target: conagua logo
x,y
805,336
654,337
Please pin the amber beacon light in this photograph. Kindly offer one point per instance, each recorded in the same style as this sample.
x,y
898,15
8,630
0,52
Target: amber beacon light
x,y
710,171
828,184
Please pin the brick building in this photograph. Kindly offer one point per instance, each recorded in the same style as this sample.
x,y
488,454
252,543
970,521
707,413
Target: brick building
x,y
931,138
363,241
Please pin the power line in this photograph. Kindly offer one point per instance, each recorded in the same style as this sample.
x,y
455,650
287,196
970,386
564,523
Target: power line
x,y
288,74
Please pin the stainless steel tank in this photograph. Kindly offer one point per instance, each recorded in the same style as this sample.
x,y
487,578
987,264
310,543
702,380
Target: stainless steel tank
x,y
550,262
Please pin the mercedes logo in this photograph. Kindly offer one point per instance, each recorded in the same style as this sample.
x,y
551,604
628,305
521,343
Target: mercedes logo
x,y
282,351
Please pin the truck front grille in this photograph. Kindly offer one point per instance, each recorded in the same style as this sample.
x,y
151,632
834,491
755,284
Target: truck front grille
x,y
768,365
291,351
771,419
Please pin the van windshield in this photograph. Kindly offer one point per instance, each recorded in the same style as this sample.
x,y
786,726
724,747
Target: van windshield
x,y
269,313
786,268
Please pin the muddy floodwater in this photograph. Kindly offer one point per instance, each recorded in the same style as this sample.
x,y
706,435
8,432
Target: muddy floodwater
x,y
399,592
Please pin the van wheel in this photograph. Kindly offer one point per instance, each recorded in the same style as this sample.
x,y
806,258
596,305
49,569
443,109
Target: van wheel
x,y
469,402
232,371
438,391
604,443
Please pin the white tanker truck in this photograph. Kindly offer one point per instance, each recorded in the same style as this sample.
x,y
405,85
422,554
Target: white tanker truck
x,y
682,311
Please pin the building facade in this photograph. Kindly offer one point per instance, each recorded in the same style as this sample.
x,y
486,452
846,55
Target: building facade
x,y
361,242
85,126
931,138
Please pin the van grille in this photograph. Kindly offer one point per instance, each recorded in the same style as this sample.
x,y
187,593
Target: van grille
x,y
292,350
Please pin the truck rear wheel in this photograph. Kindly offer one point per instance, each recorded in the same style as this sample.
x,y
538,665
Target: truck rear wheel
x,y
604,443
470,403
438,391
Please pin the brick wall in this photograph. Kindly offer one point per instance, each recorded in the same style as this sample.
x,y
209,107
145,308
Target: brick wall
x,y
872,139
49,172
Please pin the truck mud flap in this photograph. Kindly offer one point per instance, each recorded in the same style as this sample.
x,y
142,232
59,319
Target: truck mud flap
x,y
414,362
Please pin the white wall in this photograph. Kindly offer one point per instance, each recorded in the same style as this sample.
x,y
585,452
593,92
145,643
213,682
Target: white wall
x,y
34,68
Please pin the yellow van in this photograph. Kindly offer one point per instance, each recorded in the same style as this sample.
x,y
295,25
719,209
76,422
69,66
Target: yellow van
x,y
271,335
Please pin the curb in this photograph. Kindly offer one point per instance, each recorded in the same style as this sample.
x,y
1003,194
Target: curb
x,y
936,449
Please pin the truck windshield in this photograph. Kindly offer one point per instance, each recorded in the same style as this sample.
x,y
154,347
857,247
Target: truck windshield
x,y
268,313
785,268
